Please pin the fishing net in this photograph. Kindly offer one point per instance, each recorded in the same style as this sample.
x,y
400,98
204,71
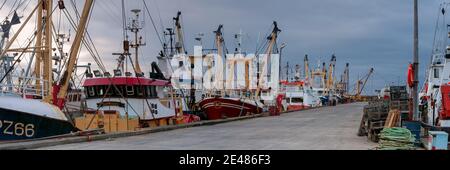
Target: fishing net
x,y
396,139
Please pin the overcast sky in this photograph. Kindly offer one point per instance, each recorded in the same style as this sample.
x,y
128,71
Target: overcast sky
x,y
365,33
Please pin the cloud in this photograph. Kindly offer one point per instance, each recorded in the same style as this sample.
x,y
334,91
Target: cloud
x,y
365,33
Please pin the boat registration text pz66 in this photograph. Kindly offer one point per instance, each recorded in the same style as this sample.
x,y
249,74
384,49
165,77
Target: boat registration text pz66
x,y
16,129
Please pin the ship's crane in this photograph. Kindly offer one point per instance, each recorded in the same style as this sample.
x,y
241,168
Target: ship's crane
x,y
307,72
342,86
270,47
361,84
219,82
179,44
346,78
321,73
330,77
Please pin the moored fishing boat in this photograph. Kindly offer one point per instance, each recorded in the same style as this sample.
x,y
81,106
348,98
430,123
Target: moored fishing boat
x,y
220,108
224,103
22,119
29,106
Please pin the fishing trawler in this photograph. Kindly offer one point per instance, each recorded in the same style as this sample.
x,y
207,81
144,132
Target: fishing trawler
x,y
434,96
32,109
222,103
149,101
298,94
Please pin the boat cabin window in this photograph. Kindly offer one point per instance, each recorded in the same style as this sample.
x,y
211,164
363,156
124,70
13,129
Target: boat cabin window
x,y
153,91
120,91
91,91
74,97
297,100
140,91
436,73
111,90
130,90
180,64
148,91
100,91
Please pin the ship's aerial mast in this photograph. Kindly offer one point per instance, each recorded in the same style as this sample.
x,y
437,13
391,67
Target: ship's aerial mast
x,y
135,27
169,33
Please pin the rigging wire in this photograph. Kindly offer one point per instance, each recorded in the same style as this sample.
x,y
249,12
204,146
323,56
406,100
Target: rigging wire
x,y
106,9
3,4
89,42
18,60
12,8
161,23
124,22
98,58
153,23
26,6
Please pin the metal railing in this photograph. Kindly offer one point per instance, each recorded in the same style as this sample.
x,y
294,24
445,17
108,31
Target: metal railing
x,y
26,87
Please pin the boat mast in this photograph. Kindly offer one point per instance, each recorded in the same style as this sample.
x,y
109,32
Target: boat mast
x,y
11,41
179,45
37,65
331,69
47,52
306,65
219,74
70,66
272,40
135,28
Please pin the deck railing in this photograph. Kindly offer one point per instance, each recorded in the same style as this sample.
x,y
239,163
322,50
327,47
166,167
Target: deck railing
x,y
25,87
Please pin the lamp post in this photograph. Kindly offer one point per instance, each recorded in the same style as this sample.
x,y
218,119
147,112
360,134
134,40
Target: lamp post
x,y
416,64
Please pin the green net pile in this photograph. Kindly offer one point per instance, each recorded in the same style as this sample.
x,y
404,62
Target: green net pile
x,y
396,139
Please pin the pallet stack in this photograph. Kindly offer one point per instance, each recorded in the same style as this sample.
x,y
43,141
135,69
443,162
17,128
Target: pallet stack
x,y
399,100
374,119
384,113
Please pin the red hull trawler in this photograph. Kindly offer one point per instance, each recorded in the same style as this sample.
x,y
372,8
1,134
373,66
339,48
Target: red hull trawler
x,y
227,105
220,108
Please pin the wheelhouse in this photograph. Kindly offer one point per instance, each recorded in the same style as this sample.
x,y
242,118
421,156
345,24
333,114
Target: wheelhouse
x,y
127,87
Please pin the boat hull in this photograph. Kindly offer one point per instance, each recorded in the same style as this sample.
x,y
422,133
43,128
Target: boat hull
x,y
296,107
16,125
221,108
